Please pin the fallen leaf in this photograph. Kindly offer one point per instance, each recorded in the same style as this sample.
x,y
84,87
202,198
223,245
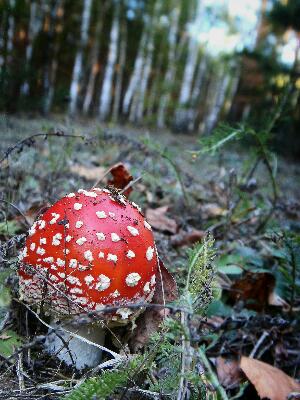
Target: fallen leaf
x,y
228,371
187,238
213,210
121,178
150,320
90,173
158,220
269,382
254,289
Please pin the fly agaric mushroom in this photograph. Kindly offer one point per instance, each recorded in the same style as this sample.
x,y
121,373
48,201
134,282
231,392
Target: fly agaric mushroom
x,y
89,250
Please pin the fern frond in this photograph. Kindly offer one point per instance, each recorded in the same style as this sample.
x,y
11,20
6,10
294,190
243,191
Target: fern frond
x,y
201,272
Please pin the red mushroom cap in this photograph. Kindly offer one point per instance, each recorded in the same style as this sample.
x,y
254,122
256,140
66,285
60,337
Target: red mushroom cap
x,y
89,249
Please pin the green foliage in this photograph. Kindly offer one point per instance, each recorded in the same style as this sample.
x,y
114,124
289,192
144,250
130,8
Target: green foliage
x,y
9,341
100,387
201,272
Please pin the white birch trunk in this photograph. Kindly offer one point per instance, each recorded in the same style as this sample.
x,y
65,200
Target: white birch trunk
x,y
94,66
218,102
191,62
77,69
136,74
170,74
119,82
199,81
106,95
33,29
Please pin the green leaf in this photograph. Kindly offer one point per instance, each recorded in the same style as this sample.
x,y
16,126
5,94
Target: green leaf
x,y
9,341
230,269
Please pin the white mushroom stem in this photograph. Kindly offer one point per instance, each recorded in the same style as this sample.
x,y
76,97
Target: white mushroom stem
x,y
81,346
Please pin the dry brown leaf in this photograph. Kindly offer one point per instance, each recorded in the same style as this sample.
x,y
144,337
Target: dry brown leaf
x,y
157,218
187,238
121,178
268,381
228,371
254,289
90,173
150,320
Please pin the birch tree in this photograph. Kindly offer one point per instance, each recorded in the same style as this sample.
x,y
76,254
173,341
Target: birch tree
x,y
171,68
77,68
94,57
106,92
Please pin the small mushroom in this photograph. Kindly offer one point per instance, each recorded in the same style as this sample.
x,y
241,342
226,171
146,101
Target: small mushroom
x,y
89,250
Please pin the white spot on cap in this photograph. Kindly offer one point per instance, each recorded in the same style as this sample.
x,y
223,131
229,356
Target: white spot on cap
x,y
147,225
32,230
100,236
76,290
101,254
68,238
132,279
56,239
124,312
115,294
53,278
130,254
101,214
61,275
89,279
43,241
99,307
80,241
60,262
48,260
77,206
81,300
88,255
115,237
23,254
136,206
32,246
67,226
40,251
89,194
42,224
152,280
71,195
74,280
78,224
147,288
149,253
103,283
73,263
53,267
112,257
133,230
54,219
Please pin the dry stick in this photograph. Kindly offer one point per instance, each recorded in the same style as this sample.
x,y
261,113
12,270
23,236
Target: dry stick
x,y
16,208
30,138
130,184
102,177
258,344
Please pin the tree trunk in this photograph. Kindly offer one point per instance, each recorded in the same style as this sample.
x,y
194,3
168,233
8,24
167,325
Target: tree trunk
x,y
94,64
77,69
170,73
120,71
106,92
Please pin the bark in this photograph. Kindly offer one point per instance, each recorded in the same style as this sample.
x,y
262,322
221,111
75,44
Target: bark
x,y
58,14
33,29
106,92
120,71
171,70
219,90
136,74
77,69
94,64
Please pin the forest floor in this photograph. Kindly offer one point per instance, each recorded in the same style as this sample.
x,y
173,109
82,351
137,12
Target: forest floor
x,y
256,300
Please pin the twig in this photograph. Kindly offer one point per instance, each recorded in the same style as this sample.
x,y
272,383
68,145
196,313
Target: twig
x,y
130,184
16,208
20,372
258,344
30,139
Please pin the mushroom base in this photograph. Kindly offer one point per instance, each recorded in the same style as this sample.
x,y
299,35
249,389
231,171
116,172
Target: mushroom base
x,y
72,350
